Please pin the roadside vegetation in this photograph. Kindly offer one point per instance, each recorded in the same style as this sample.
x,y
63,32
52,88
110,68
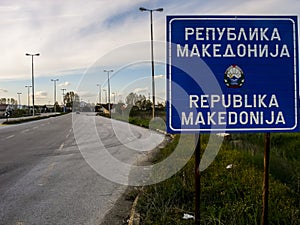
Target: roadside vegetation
x,y
230,194
137,111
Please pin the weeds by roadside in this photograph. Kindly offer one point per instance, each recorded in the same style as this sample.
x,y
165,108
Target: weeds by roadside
x,y
229,195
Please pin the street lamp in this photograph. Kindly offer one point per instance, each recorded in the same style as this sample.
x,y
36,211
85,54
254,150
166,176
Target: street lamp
x,y
98,85
152,57
54,80
19,99
63,90
108,84
105,95
114,93
120,97
28,87
32,78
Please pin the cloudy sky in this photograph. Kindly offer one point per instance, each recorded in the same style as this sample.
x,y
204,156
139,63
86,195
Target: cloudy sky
x,y
78,39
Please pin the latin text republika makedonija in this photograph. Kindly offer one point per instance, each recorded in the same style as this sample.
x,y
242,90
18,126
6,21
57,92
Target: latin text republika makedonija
x,y
226,117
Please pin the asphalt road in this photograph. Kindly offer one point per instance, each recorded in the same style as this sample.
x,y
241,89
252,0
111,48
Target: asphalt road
x,y
44,178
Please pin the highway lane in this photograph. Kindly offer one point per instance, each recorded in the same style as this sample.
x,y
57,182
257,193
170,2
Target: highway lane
x,y
45,180
23,145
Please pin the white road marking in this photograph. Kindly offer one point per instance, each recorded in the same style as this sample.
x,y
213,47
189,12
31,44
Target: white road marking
x,y
67,136
61,146
11,136
26,130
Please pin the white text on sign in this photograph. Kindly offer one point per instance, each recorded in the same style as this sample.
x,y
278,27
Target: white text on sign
x,y
259,117
231,34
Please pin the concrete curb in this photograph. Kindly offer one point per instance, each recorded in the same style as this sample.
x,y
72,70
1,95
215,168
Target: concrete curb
x,y
134,217
165,133
27,118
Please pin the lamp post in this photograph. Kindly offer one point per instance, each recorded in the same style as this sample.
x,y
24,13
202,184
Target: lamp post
x,y
28,87
114,93
63,90
152,57
105,95
54,80
98,85
108,87
32,78
19,99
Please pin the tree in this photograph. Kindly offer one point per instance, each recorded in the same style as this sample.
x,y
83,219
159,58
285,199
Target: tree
x,y
9,101
3,101
71,99
57,107
139,101
131,98
147,105
13,101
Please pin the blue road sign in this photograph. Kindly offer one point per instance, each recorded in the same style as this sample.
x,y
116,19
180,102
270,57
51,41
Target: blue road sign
x,y
232,73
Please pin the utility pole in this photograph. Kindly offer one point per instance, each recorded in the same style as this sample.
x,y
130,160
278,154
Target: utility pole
x,y
54,80
63,90
28,104
108,84
19,99
152,54
98,85
32,78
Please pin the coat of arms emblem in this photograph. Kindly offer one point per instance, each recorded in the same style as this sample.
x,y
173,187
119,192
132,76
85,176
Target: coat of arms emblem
x,y
234,77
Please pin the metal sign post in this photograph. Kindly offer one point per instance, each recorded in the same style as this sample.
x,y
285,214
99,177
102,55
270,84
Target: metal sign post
x,y
197,179
265,195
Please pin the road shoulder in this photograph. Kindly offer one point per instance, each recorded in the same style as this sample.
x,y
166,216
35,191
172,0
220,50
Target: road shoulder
x,y
120,213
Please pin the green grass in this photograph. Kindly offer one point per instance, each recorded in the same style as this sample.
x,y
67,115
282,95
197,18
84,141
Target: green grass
x,y
230,196
141,118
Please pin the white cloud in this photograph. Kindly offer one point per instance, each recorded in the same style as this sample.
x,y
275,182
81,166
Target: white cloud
x,y
67,35
3,90
41,95
161,76
86,94
65,84
140,90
